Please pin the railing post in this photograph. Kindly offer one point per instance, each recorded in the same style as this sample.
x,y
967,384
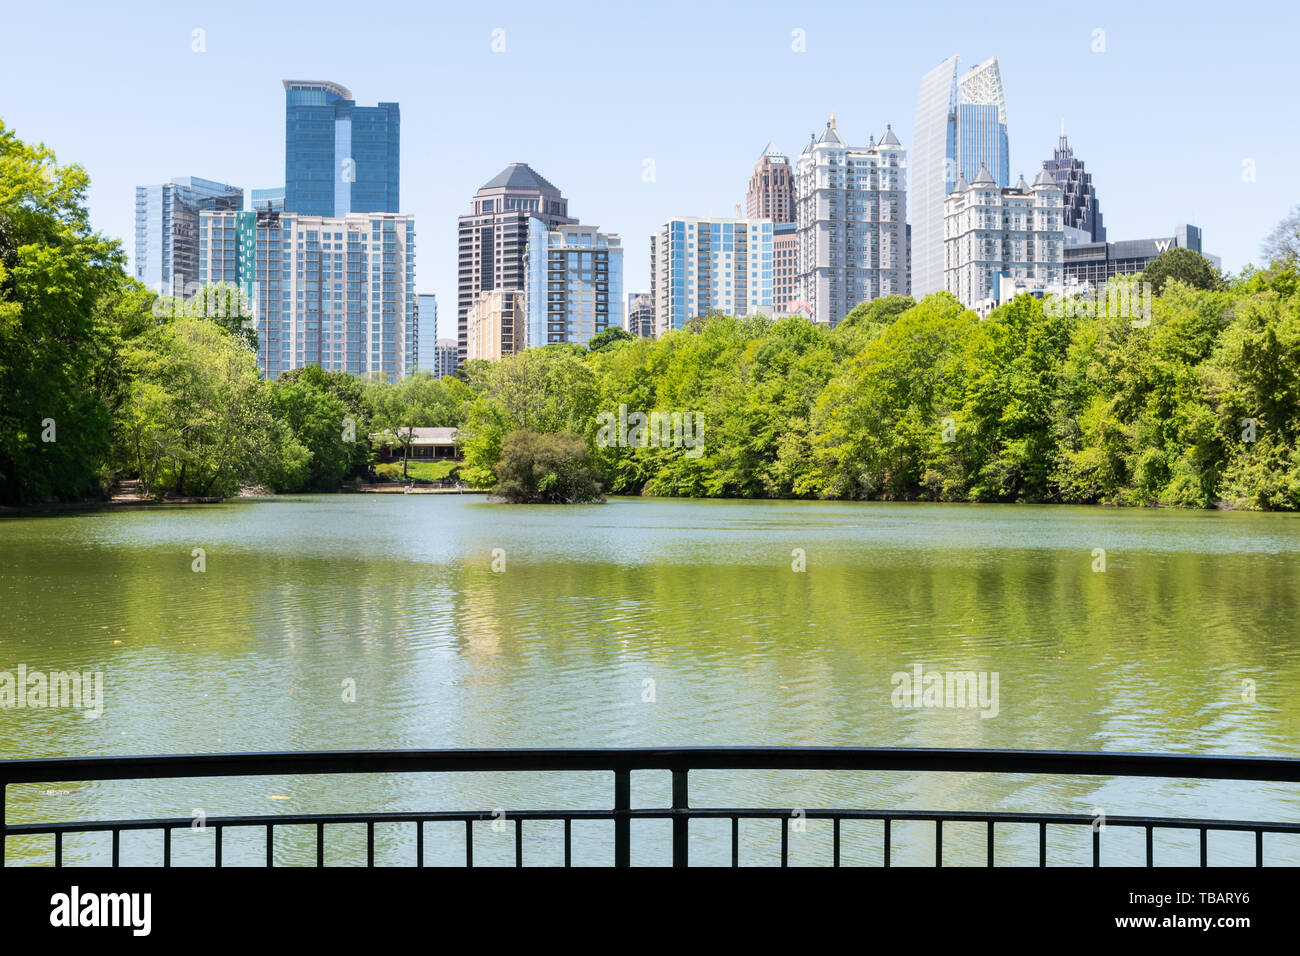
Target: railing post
x,y
4,785
681,822
622,822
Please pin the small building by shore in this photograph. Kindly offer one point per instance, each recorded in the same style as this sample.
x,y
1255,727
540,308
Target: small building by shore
x,y
427,444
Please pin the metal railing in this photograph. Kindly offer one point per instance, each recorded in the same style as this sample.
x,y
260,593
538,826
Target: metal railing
x,y
680,762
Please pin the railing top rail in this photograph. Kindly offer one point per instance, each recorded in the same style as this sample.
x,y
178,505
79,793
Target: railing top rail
x,y
1189,766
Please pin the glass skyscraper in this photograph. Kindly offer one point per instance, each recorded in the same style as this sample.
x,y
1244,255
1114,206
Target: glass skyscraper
x,y
982,141
982,124
961,125
339,158
933,173
167,229
426,347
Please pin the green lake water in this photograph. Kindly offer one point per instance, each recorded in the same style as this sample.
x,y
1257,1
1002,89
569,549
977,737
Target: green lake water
x,y
693,603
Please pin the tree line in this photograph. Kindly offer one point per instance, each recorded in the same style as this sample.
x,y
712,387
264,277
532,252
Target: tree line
x,y
1195,403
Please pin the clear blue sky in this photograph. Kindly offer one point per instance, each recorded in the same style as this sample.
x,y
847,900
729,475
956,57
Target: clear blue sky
x,y
584,92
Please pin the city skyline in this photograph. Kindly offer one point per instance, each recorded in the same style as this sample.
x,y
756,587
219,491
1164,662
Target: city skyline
x,y
1124,104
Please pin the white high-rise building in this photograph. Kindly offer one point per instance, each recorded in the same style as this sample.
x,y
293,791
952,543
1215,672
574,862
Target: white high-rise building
x,y
703,265
574,280
852,223
334,292
993,234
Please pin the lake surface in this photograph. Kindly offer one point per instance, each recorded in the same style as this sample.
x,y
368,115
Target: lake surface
x,y
396,595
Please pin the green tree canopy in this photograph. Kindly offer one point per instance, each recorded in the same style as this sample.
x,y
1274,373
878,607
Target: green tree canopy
x,y
1183,265
555,468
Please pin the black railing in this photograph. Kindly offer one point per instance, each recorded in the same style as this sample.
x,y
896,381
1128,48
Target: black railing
x,y
679,762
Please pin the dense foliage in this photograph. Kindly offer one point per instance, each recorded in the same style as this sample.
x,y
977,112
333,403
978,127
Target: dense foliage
x,y
1197,404
554,469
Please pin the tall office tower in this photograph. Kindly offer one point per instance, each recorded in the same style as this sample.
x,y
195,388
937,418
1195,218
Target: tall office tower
x,y
991,233
785,267
167,229
574,284
1083,221
961,125
495,325
982,124
339,158
771,188
446,360
493,237
426,326
334,292
852,223
703,265
639,318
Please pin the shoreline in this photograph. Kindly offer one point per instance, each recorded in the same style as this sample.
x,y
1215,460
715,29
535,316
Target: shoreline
x,y
397,488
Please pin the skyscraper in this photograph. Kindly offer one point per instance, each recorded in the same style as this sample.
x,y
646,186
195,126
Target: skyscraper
x,y
575,283
494,236
426,325
771,188
703,265
1082,213
167,229
333,292
852,225
339,158
982,124
961,125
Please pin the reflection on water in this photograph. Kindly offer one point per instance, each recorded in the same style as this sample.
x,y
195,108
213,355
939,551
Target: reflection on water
x,y
308,602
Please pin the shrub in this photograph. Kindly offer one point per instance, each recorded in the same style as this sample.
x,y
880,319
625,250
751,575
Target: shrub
x,y
546,469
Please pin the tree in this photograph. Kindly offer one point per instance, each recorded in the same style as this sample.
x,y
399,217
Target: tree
x,y
546,469
226,305
55,344
611,336
319,421
416,401
545,390
199,419
1282,247
1183,265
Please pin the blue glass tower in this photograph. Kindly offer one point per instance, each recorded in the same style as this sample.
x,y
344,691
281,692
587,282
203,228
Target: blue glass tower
x,y
983,141
339,157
